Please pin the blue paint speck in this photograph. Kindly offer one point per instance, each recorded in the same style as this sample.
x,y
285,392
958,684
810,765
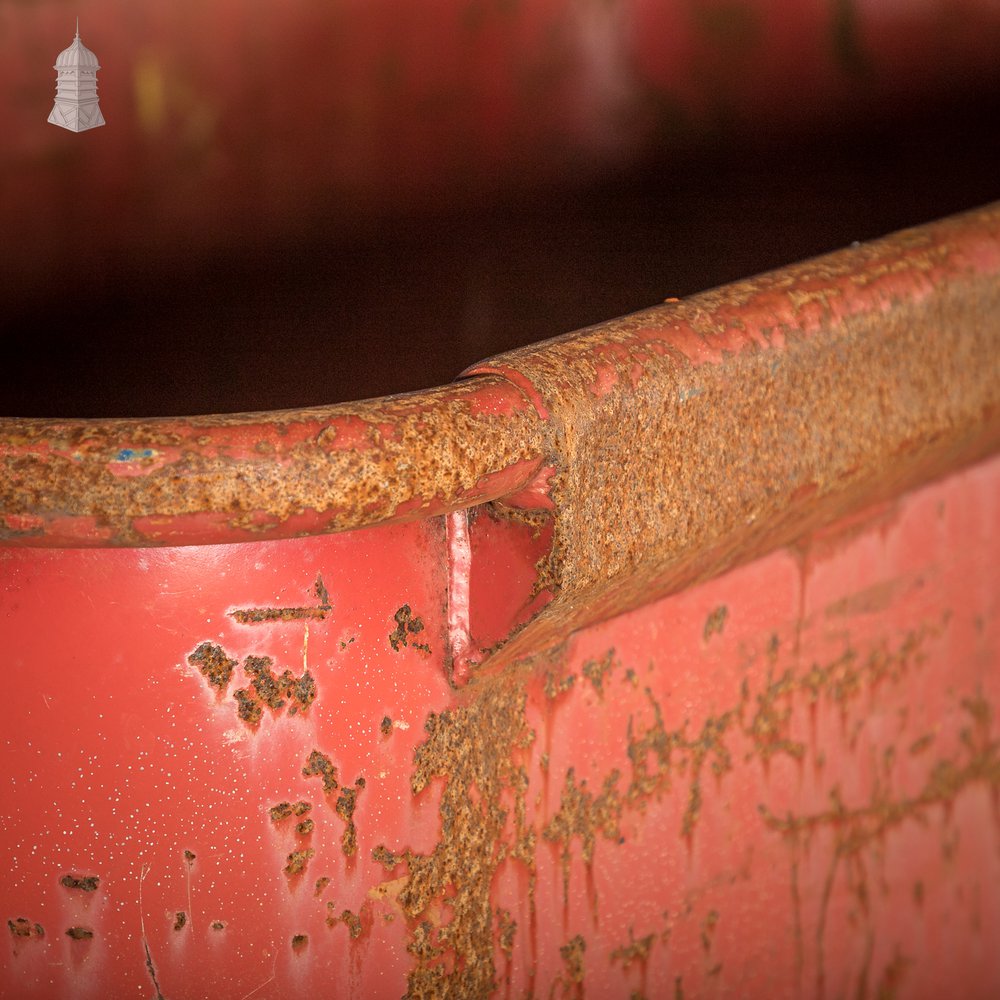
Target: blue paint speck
x,y
130,454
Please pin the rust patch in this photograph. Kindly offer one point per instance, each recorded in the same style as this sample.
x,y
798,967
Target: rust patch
x,y
385,726
277,692
637,950
554,687
248,708
305,827
353,923
597,670
356,923
321,884
386,858
218,925
473,750
407,626
347,802
258,616
285,810
319,764
22,927
715,622
189,857
84,883
215,666
300,942
572,955
506,931
79,933
180,920
296,861
583,815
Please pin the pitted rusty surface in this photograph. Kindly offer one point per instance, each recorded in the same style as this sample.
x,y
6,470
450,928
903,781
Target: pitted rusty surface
x,y
266,475
665,446
699,434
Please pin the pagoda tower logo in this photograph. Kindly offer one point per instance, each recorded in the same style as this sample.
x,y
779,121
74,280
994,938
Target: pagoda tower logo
x,y
76,106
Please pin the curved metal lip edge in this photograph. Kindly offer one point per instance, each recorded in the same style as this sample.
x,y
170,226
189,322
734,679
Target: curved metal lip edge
x,y
489,435
759,413
256,476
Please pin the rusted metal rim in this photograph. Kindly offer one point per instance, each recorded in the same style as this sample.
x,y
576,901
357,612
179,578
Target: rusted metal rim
x,y
256,476
744,412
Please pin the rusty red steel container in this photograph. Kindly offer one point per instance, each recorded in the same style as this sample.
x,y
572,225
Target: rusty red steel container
x,y
656,660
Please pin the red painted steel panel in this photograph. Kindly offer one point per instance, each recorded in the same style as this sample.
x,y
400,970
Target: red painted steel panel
x,y
782,782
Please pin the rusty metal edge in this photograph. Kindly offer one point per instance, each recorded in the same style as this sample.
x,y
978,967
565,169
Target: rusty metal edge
x,y
698,435
256,476
631,424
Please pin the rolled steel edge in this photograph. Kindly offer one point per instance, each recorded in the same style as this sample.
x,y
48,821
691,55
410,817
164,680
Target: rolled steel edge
x,y
256,476
667,445
697,435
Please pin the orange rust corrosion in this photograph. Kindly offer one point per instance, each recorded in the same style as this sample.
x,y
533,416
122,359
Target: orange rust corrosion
x,y
697,435
666,446
255,476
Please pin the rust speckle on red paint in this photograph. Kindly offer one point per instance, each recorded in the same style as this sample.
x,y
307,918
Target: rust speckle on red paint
x,y
319,764
84,883
596,671
407,626
347,802
637,950
572,955
506,931
22,927
295,863
79,933
285,810
584,815
216,667
715,622
475,753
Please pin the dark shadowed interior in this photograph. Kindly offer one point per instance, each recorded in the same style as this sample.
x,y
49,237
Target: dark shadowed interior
x,y
406,301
